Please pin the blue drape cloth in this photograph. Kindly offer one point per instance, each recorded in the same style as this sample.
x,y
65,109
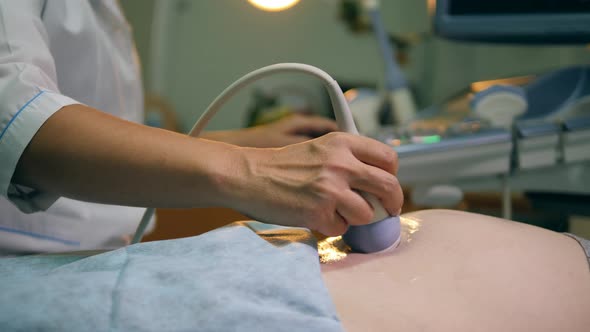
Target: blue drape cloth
x,y
244,277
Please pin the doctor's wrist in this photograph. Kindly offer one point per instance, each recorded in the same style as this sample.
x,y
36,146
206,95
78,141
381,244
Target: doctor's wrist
x,y
238,181
223,166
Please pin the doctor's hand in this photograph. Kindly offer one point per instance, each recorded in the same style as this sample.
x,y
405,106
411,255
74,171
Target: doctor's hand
x,y
294,128
315,184
312,184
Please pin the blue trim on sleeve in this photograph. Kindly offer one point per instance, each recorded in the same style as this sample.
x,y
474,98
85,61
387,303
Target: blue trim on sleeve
x,y
39,236
17,113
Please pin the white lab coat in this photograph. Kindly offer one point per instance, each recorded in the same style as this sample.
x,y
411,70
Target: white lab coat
x,y
55,53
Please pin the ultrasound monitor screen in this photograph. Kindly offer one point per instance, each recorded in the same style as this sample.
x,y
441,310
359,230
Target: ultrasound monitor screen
x,y
514,21
508,7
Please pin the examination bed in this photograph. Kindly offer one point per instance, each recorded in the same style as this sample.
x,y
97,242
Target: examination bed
x,y
452,271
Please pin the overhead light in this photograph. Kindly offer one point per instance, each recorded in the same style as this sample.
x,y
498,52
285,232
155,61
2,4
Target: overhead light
x,y
273,5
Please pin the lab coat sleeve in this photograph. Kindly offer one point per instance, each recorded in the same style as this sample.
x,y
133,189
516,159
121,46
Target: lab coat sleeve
x,y
29,94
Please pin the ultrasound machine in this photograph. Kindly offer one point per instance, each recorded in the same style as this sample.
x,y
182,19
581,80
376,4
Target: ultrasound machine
x,y
532,134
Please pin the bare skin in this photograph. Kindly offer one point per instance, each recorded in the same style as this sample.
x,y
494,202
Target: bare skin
x,y
292,129
457,271
85,154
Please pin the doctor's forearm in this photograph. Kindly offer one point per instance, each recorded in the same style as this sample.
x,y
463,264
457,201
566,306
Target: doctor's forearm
x,y
89,155
86,154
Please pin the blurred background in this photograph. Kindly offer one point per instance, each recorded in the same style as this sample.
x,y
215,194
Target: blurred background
x,y
191,50
203,46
